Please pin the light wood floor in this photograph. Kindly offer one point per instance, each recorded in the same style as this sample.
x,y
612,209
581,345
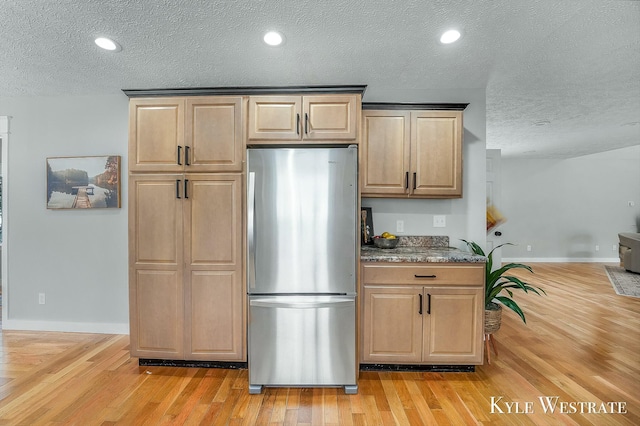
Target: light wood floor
x,y
581,344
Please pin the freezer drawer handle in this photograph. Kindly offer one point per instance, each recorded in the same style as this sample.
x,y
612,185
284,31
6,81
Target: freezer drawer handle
x,y
301,304
424,276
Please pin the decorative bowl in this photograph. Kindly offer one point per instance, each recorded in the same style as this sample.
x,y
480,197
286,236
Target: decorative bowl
x,y
385,243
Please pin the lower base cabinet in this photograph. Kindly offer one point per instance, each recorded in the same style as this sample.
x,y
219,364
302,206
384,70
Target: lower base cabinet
x,y
185,284
419,324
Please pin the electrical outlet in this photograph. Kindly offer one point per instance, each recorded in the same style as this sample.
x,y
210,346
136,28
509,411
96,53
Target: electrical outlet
x,y
597,247
399,225
439,221
631,203
528,248
41,298
614,247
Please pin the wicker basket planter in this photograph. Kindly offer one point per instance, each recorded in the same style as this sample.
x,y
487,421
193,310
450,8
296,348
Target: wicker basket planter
x,y
492,319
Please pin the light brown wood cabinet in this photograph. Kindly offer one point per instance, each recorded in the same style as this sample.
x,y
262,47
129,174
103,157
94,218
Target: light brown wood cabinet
x,y
311,118
422,314
186,266
186,157
186,134
416,154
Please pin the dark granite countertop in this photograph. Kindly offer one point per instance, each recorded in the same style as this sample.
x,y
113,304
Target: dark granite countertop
x,y
420,249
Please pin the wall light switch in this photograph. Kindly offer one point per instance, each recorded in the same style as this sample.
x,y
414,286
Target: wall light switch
x,y
439,221
400,226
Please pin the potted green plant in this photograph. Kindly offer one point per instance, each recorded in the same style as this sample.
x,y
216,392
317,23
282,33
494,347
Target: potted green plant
x,y
497,283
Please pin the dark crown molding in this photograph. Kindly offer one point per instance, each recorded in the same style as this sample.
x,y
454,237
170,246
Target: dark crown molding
x,y
409,105
247,90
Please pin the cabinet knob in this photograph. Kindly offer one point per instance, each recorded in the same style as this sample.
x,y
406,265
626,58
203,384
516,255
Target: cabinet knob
x,y
497,233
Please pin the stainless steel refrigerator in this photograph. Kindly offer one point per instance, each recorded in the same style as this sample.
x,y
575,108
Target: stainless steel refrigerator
x,y
302,235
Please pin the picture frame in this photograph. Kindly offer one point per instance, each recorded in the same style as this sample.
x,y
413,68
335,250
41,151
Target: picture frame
x,y
88,182
366,226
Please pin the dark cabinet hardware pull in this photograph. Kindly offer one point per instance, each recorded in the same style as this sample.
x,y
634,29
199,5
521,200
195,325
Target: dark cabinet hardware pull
x,y
179,155
186,186
406,181
497,233
424,276
420,307
306,123
186,155
428,304
297,124
414,180
178,188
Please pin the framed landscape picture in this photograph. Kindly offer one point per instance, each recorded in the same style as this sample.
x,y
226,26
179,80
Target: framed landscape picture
x,y
83,182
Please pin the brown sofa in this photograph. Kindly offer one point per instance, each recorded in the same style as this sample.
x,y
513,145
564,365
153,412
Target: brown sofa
x,y
630,251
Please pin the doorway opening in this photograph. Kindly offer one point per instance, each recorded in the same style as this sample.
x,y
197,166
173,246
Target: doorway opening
x,y
4,142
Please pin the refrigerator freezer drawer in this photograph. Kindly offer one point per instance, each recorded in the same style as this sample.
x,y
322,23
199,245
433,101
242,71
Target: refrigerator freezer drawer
x,y
302,341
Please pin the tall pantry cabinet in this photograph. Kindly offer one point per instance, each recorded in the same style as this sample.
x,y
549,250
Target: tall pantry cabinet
x,y
185,227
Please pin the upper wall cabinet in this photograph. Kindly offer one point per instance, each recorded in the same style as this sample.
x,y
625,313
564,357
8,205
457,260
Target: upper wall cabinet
x,y
195,134
411,153
308,118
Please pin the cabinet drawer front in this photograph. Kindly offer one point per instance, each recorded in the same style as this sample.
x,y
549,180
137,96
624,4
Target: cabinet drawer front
x,y
385,273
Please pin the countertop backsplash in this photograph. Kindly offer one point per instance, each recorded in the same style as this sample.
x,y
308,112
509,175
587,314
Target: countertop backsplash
x,y
423,241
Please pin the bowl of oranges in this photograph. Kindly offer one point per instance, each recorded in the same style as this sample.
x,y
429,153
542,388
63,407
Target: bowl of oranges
x,y
385,240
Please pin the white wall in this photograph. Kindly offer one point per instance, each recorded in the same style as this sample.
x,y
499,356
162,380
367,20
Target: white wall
x,y
77,258
564,208
465,216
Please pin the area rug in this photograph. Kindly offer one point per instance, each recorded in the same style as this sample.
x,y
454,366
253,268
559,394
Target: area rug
x,y
625,283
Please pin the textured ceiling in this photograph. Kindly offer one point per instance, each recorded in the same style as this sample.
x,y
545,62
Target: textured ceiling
x,y
573,64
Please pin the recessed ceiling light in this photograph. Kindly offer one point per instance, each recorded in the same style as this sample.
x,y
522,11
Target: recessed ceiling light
x,y
108,44
449,36
273,38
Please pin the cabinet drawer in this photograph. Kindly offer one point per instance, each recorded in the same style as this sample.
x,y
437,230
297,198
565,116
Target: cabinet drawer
x,y
385,273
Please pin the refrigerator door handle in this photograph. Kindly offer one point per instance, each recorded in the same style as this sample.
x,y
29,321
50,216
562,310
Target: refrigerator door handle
x,y
251,249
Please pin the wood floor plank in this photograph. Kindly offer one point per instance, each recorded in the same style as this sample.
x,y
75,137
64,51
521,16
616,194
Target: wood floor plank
x,y
580,345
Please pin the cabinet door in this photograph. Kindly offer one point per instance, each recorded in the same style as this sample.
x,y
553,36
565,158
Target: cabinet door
x,y
331,117
385,152
155,267
392,324
453,325
275,117
436,153
156,131
214,296
213,134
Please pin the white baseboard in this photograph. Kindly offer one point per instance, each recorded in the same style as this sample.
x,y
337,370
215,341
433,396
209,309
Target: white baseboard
x,y
561,259
71,327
